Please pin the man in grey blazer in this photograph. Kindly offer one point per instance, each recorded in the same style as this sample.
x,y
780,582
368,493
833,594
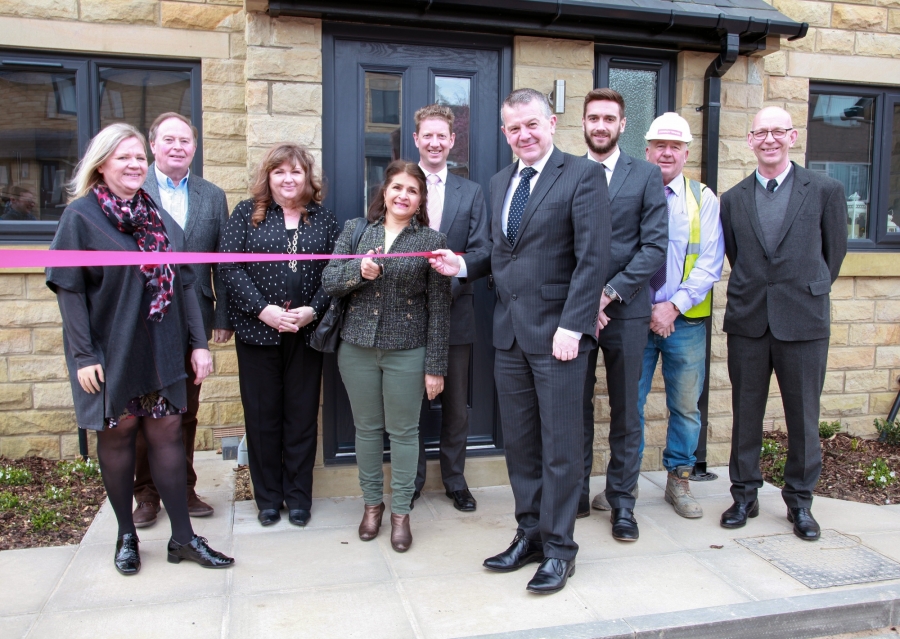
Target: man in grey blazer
x,y
785,231
201,210
456,208
550,232
640,236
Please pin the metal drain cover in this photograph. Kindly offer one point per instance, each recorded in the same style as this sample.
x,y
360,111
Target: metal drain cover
x,y
833,560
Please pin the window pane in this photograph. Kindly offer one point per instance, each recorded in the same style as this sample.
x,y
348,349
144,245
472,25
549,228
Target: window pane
x,y
382,127
455,93
893,222
639,88
137,96
840,136
38,143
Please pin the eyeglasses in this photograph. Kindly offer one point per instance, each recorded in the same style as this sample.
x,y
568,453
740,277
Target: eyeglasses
x,y
762,134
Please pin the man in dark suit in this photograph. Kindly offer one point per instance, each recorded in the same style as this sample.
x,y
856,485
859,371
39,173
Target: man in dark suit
x,y
201,210
640,235
785,231
550,232
455,208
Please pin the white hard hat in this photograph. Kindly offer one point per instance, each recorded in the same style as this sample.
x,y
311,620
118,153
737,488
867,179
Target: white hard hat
x,y
669,126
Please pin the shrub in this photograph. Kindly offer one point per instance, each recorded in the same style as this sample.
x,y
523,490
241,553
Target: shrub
x,y
880,474
9,501
86,468
888,432
45,519
52,493
771,448
829,429
10,476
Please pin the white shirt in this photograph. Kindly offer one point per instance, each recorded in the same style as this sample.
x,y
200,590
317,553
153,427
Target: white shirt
x,y
440,189
609,164
173,197
778,178
708,267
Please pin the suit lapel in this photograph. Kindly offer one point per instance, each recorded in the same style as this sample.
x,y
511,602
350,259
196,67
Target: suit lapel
x,y
151,186
193,206
451,202
497,198
748,187
620,172
546,179
798,197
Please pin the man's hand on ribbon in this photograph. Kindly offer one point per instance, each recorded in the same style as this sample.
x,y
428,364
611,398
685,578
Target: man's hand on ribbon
x,y
445,262
565,347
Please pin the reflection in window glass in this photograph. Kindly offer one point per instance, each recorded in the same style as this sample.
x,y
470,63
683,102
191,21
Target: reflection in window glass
x,y
38,143
840,139
639,88
455,93
382,127
137,96
893,221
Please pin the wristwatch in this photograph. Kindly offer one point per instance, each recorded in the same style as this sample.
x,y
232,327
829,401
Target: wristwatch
x,y
611,293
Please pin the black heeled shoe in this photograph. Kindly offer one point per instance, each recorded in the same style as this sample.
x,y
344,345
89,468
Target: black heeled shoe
x,y
127,559
198,550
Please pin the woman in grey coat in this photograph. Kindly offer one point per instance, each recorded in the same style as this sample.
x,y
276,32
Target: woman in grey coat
x,y
394,340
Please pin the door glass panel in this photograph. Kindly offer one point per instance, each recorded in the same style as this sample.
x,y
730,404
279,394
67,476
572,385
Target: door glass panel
x,y
639,88
38,143
840,141
893,221
137,96
382,127
455,93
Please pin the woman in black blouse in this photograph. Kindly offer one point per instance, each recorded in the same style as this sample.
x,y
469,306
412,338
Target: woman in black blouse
x,y
274,308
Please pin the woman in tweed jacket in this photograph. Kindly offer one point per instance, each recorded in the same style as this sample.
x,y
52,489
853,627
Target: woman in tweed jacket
x,y
395,340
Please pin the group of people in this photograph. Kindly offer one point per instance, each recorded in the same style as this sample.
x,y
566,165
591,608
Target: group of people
x,y
601,252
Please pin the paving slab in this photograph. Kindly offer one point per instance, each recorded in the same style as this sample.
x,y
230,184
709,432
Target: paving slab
x,y
30,576
16,627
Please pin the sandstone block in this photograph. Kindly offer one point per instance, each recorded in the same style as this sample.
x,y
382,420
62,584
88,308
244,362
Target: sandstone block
x,y
878,287
719,402
18,447
852,357
205,17
807,44
228,178
303,63
655,408
799,112
795,89
834,382
15,340
53,395
4,371
570,141
237,46
877,334
204,440
859,426
880,403
729,178
549,52
894,20
601,408
13,396
231,413
689,93
259,29
36,285
257,97
718,376
734,124
578,81
652,459
220,388
887,311
737,96
224,125
48,341
888,3
297,98
290,31
68,447
206,412
37,368
817,14
867,381
718,454
222,72
719,429
226,363
32,422
693,64
842,289
835,41
858,18
887,356
12,286
224,152
719,348
852,310
840,335
48,9
847,404
125,11
736,154
223,98
655,432
267,130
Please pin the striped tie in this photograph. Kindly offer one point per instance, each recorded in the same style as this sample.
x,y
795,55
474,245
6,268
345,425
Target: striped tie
x,y
658,281
518,202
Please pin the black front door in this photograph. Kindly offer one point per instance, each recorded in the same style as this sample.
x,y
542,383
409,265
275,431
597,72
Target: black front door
x,y
372,88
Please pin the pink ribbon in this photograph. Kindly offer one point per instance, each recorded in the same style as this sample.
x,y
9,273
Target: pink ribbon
x,y
44,258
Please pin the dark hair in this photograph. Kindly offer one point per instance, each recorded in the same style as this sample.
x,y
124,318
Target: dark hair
x,y
162,117
313,191
609,95
377,208
436,111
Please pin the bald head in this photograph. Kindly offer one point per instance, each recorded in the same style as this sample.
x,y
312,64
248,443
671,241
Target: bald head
x,y
772,117
771,138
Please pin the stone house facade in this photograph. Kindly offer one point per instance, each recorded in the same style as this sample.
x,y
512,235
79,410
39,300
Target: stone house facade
x,y
264,78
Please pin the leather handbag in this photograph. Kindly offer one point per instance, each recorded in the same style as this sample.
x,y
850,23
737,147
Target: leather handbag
x,y
327,335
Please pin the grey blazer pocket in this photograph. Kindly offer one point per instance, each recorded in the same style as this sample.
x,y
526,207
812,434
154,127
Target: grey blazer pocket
x,y
207,291
820,287
554,291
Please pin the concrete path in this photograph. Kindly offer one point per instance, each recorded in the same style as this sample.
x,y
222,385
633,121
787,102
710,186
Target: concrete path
x,y
322,581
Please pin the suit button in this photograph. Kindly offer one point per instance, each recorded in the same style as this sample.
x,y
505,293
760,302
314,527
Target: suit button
x,y
513,258
515,297
771,283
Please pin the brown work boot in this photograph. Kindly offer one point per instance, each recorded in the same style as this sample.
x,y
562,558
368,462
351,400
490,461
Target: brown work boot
x,y
197,507
678,493
600,502
145,514
371,522
401,535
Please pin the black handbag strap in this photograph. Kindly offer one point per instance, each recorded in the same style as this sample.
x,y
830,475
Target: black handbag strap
x,y
358,231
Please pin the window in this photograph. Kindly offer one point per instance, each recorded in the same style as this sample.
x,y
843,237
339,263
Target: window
x,y
646,82
853,136
51,106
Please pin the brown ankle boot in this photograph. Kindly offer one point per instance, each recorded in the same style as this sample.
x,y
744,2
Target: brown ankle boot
x,y
401,535
371,522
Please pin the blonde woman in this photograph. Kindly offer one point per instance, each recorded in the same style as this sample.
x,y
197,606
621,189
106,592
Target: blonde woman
x,y
126,330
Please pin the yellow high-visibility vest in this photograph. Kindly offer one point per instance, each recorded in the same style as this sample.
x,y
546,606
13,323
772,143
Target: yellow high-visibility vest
x,y
693,191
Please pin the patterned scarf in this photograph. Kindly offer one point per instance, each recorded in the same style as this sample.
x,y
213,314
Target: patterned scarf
x,y
140,218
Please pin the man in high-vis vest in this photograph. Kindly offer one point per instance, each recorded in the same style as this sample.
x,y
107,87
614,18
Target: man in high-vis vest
x,y
682,299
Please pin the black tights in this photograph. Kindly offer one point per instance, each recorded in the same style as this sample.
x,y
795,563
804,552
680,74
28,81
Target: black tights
x,y
115,451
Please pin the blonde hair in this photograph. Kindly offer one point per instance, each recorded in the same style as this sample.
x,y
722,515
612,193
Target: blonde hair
x,y
99,151
296,155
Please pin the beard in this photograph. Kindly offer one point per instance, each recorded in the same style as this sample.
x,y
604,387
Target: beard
x,y
602,149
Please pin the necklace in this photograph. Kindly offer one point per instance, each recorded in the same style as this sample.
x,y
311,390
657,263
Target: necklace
x,y
292,249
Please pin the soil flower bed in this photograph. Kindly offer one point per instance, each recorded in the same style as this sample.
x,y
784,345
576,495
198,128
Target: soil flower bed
x,y
47,503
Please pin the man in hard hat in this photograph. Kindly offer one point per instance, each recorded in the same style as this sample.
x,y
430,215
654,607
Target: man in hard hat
x,y
682,300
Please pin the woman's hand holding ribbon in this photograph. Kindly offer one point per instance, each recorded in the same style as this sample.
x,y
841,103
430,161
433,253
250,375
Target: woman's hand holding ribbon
x,y
369,268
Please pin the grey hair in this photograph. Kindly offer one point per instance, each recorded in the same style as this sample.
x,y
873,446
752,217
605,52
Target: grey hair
x,y
527,96
99,151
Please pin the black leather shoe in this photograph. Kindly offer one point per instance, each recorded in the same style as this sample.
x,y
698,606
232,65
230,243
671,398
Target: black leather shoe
x,y
551,576
127,559
624,525
198,550
805,525
521,551
462,500
416,495
736,516
299,517
584,508
268,517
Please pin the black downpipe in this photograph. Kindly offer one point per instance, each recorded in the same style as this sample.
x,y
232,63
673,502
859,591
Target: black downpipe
x,y
709,175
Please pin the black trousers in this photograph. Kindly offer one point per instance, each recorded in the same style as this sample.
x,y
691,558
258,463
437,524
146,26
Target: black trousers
x,y
454,422
800,370
280,388
539,397
622,342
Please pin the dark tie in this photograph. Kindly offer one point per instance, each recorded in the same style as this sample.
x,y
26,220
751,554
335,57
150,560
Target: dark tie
x,y
517,205
659,278
771,185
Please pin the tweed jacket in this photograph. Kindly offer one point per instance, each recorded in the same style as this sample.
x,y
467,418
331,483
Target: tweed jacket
x,y
407,307
254,285
203,233
787,290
